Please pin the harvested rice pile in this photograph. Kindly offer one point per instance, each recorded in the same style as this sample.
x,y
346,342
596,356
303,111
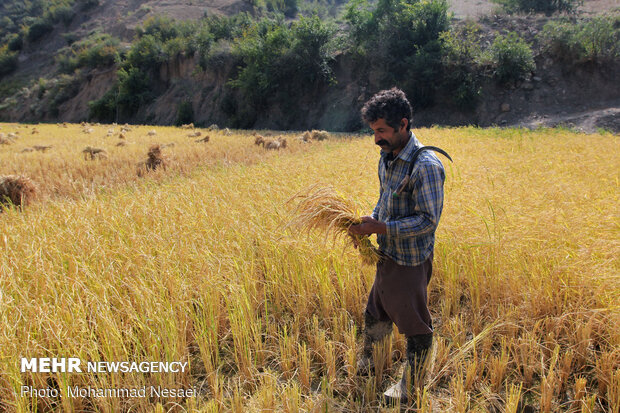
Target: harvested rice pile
x,y
17,190
323,208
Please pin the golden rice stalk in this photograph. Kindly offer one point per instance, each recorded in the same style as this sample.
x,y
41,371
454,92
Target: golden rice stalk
x,y
323,208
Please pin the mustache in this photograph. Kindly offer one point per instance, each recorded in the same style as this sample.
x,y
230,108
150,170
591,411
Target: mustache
x,y
382,142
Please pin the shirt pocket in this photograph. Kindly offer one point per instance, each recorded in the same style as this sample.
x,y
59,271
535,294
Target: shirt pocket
x,y
403,205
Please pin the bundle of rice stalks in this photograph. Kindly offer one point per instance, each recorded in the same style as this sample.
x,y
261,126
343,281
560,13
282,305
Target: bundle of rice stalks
x,y
16,190
319,135
154,161
94,153
324,209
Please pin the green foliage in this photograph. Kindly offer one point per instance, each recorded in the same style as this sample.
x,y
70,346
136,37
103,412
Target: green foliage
x,y
8,61
399,40
461,59
539,6
88,4
134,89
322,8
160,27
99,50
222,27
287,7
596,40
511,57
146,54
15,42
185,113
281,61
104,109
39,29
19,17
61,13
123,99
70,38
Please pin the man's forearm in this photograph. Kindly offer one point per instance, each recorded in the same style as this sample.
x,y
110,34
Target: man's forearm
x,y
410,226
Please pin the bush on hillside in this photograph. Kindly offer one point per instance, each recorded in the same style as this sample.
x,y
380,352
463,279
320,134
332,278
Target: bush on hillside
x,y
539,6
100,50
281,61
461,59
399,40
8,61
185,113
146,54
88,4
511,57
39,29
15,42
596,40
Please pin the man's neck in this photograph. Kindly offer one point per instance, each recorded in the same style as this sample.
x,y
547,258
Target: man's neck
x,y
395,152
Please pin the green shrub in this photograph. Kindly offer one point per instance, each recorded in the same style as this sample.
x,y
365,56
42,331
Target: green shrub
x,y
596,40
70,38
539,6
280,62
88,4
123,100
7,24
134,89
39,29
147,54
61,13
223,27
104,109
201,43
8,61
160,27
185,113
461,59
15,42
399,41
174,48
511,57
99,50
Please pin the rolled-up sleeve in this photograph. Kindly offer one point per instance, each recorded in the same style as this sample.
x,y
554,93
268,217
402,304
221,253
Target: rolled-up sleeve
x,y
427,195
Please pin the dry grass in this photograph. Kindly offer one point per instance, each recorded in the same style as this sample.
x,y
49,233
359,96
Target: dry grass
x,y
193,265
60,170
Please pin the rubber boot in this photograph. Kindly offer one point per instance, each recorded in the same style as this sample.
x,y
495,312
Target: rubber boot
x,y
418,347
374,332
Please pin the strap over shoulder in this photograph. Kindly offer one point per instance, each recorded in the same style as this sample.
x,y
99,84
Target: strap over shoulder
x,y
414,157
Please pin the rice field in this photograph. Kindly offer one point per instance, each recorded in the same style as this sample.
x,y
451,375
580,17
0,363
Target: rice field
x,y
196,264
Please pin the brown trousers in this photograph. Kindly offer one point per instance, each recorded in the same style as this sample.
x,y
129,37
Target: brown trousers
x,y
399,295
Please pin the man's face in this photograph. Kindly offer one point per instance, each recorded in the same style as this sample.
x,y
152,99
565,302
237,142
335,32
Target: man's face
x,y
388,138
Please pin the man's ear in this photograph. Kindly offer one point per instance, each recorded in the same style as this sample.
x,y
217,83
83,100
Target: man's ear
x,y
403,123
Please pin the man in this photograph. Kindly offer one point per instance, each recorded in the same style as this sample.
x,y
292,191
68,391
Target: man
x,y
405,224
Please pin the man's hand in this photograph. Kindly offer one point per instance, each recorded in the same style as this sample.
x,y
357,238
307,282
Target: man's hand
x,y
368,226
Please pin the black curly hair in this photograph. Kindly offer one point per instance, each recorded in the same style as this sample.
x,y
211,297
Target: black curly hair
x,y
391,105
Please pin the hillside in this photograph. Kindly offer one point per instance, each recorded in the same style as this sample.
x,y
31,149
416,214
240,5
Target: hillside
x,y
49,84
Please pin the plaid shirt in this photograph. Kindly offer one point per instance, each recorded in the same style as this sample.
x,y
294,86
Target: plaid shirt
x,y
412,217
